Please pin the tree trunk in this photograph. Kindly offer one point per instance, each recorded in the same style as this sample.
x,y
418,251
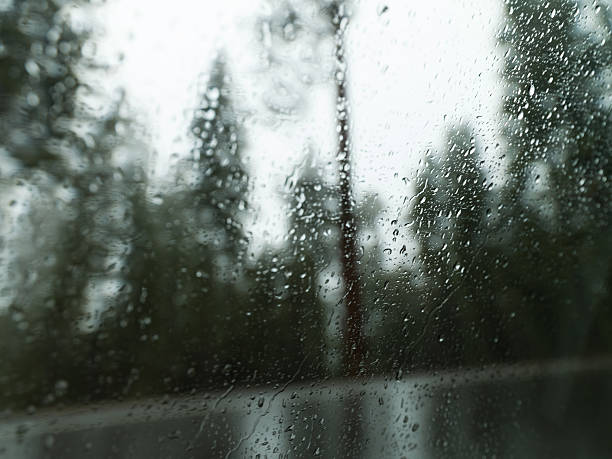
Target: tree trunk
x,y
354,345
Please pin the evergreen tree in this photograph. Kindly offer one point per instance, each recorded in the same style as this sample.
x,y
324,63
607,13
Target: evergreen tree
x,y
41,60
312,21
184,271
544,285
58,150
449,219
527,263
558,135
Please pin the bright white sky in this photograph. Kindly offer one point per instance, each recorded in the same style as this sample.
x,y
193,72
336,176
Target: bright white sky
x,y
414,70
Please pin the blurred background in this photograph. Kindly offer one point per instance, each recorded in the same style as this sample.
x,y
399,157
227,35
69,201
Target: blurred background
x,y
212,196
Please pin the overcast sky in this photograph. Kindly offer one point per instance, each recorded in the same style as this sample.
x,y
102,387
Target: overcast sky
x,y
415,68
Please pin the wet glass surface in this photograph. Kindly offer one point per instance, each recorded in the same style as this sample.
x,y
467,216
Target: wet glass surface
x,y
343,228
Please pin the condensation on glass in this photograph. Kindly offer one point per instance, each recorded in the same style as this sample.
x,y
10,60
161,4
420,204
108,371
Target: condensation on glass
x,y
305,227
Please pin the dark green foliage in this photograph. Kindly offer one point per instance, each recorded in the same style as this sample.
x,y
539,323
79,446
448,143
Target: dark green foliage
x,y
41,57
523,272
58,158
183,270
508,266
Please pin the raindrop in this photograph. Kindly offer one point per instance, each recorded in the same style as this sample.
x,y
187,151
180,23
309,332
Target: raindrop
x,y
49,441
289,32
209,114
157,199
381,9
32,68
32,99
61,386
213,93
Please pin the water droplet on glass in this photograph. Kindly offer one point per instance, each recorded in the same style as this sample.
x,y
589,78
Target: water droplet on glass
x,y
381,9
49,441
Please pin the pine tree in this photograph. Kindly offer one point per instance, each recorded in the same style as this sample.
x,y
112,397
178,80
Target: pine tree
x,y
185,273
58,150
538,240
328,19
558,135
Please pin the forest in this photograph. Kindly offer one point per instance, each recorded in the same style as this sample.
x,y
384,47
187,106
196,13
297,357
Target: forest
x,y
512,263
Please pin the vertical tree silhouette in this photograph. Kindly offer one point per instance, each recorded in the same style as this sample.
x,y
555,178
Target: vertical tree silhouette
x,y
60,151
355,345
328,20
286,294
185,270
558,138
450,227
535,279
218,195
539,284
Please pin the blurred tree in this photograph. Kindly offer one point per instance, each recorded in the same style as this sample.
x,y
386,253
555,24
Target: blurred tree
x,y
58,151
287,329
315,20
42,56
450,226
556,199
185,273
520,269
312,259
539,286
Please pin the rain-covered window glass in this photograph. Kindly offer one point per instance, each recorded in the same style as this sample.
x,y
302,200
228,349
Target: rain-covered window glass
x,y
295,228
